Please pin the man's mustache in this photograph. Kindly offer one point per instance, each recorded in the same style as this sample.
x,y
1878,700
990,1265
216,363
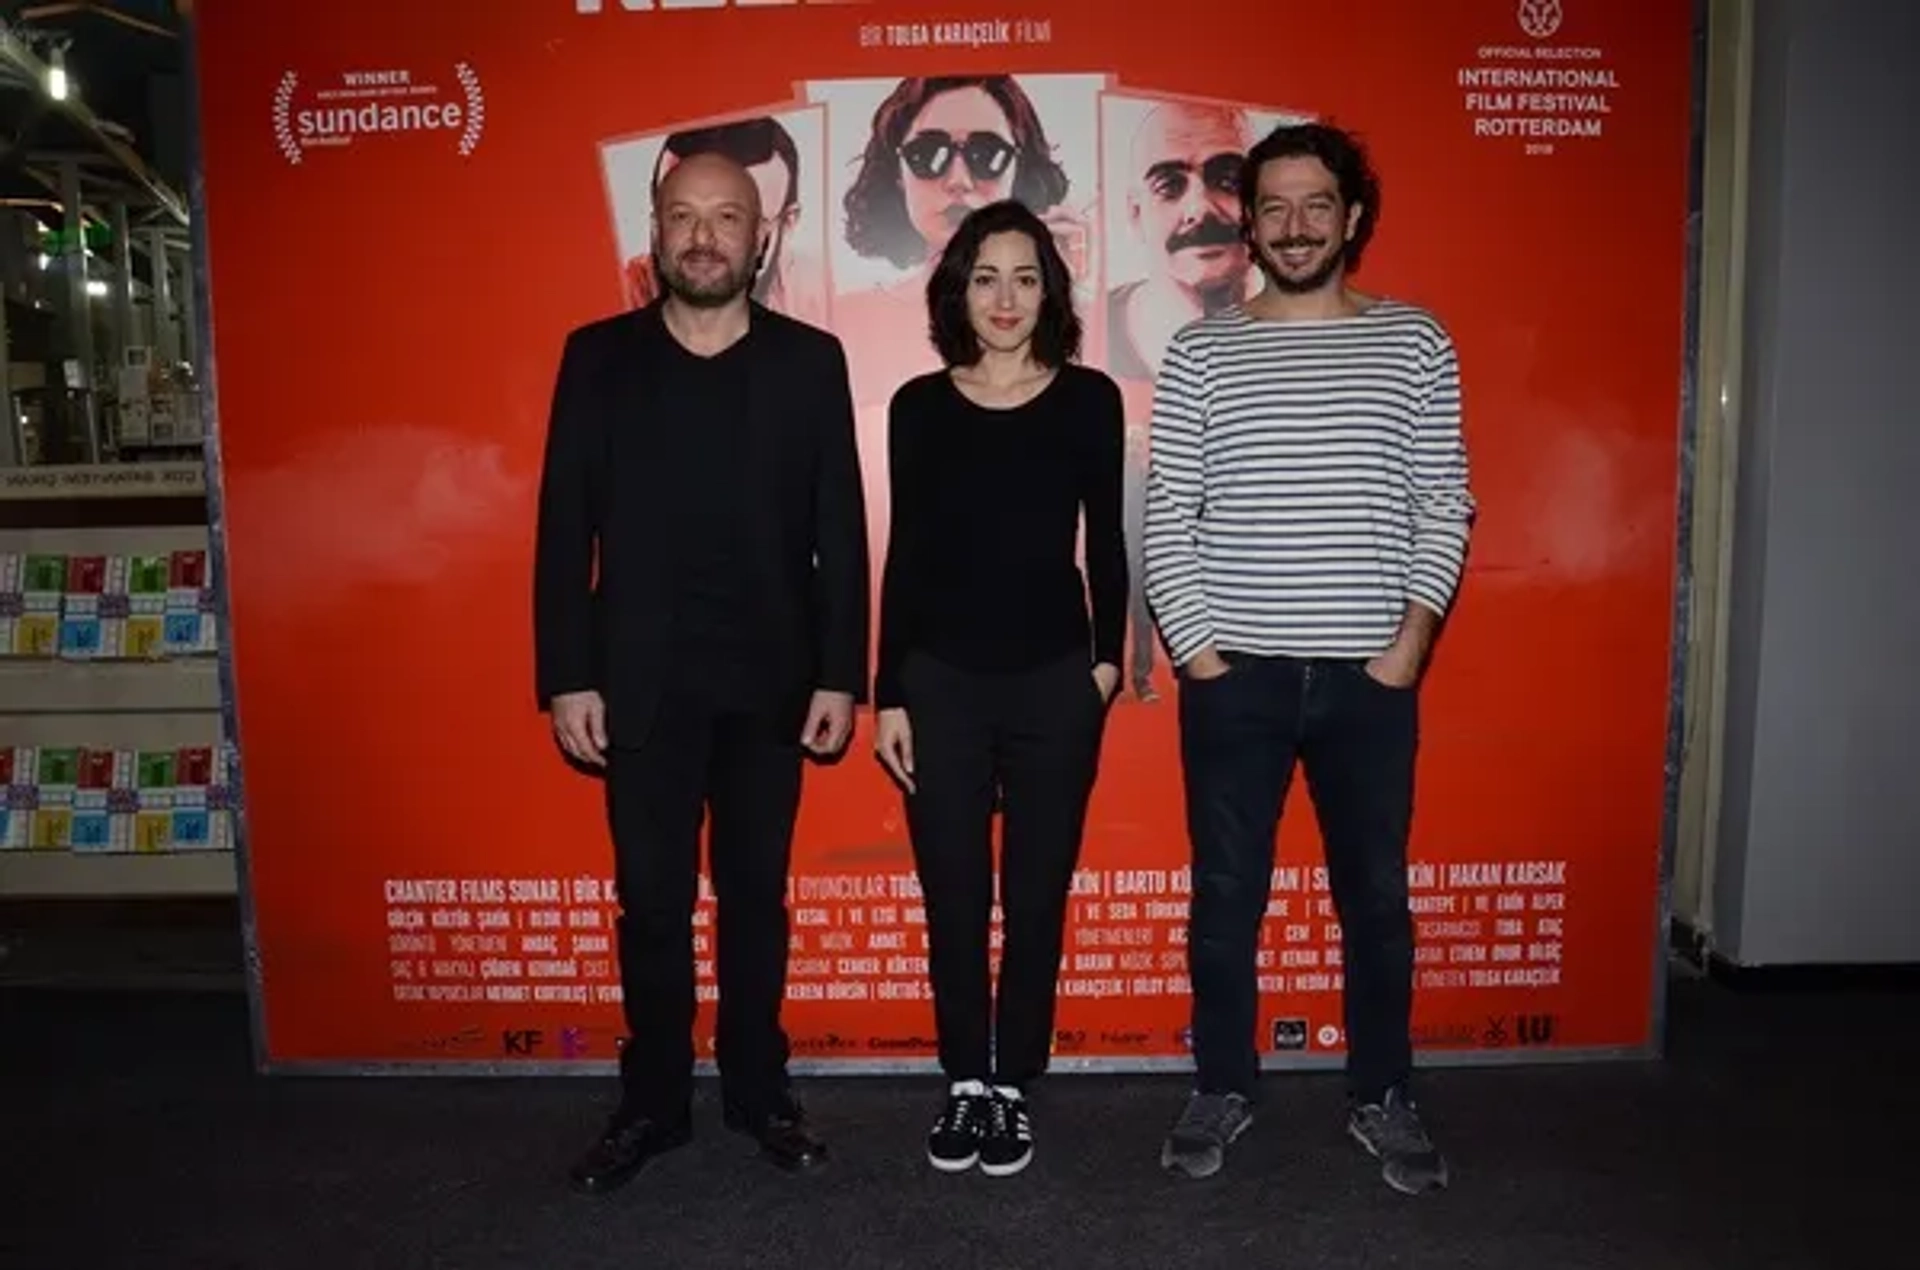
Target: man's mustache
x,y
1295,243
1211,232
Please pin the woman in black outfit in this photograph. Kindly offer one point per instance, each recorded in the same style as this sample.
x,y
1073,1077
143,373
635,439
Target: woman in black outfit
x,y
994,677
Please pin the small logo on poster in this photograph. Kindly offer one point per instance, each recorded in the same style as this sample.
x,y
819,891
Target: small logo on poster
x,y
573,1043
902,1043
1328,1036
1425,1034
455,1042
829,1043
1541,18
1535,1029
1524,1029
521,1042
372,105
1289,1034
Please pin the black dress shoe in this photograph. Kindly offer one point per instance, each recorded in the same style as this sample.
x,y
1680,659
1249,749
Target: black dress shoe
x,y
626,1147
783,1136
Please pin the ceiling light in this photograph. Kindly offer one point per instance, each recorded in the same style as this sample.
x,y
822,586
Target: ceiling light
x,y
57,85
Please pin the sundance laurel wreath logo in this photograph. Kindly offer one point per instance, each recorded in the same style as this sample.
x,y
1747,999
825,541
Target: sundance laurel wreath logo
x,y
371,105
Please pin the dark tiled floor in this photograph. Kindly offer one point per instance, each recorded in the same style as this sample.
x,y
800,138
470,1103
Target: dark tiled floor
x,y
135,1134
196,956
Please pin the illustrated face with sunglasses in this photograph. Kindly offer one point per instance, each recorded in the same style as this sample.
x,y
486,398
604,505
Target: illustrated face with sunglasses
x,y
958,155
1186,202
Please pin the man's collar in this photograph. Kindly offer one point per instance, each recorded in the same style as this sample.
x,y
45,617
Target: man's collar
x,y
653,320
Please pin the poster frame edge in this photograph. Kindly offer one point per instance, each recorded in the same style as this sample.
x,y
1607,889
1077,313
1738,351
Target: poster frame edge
x,y
1699,53
200,279
836,1069
200,270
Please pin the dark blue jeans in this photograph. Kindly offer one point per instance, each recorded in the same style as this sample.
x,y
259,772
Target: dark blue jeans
x,y
1241,734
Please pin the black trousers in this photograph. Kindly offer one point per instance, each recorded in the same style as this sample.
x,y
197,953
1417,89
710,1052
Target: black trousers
x,y
1031,740
1240,737
739,772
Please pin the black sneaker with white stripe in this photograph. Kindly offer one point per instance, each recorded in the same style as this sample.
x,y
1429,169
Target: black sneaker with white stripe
x,y
954,1144
1007,1145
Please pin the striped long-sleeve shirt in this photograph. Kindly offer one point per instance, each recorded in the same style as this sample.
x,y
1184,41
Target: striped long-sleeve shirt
x,y
1307,481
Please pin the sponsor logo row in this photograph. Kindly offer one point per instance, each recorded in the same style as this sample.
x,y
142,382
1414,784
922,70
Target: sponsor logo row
x,y
1284,1035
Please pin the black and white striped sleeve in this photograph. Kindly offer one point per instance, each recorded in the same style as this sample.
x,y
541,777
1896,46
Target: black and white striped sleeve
x,y
1176,497
1443,503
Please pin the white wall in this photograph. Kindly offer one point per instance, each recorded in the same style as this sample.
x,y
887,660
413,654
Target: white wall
x,y
1818,859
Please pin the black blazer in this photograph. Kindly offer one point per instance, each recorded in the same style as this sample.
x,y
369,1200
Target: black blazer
x,y
608,538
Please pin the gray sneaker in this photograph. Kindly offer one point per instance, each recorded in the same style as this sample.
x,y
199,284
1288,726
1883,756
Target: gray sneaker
x,y
1200,1138
1392,1133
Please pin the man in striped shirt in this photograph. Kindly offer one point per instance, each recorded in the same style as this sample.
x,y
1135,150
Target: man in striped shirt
x,y
1307,518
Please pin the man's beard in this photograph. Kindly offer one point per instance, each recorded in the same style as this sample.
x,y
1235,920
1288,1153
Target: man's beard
x,y
1289,285
705,293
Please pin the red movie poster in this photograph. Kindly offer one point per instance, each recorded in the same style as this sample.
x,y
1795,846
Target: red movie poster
x,y
409,206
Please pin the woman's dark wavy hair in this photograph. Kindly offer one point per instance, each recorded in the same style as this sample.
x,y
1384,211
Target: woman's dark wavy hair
x,y
1343,156
1057,330
877,221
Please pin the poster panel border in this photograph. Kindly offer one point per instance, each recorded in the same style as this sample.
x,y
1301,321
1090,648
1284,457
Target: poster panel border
x,y
930,1067
217,553
201,267
1702,51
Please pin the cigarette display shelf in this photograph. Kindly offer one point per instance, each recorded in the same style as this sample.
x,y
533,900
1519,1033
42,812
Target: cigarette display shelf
x,y
113,766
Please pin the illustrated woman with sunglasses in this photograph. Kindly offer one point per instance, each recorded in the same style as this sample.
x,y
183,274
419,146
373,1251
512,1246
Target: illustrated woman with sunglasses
x,y
939,148
998,657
